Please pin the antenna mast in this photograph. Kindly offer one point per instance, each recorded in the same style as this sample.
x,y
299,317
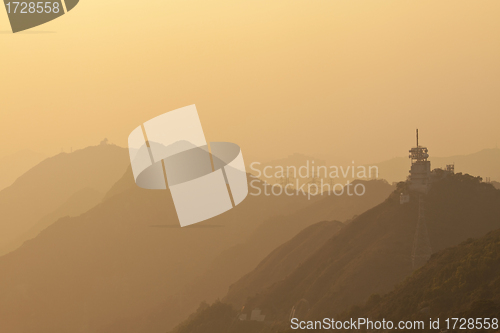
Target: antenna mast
x,y
417,137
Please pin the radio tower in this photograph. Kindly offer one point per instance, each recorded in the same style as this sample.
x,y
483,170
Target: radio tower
x,y
419,182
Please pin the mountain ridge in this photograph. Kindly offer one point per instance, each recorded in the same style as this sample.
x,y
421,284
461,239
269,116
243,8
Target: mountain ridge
x,y
53,181
372,254
14,165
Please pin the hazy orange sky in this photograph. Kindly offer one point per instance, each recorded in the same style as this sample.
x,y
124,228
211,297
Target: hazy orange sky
x,y
339,78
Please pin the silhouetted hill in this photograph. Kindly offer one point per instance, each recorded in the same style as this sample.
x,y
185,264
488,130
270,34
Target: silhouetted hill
x,y
459,282
124,257
14,165
282,261
280,229
241,258
77,204
44,188
372,254
219,317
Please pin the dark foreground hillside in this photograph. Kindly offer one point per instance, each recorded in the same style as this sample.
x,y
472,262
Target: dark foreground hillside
x,y
459,282
243,258
372,254
282,261
125,256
